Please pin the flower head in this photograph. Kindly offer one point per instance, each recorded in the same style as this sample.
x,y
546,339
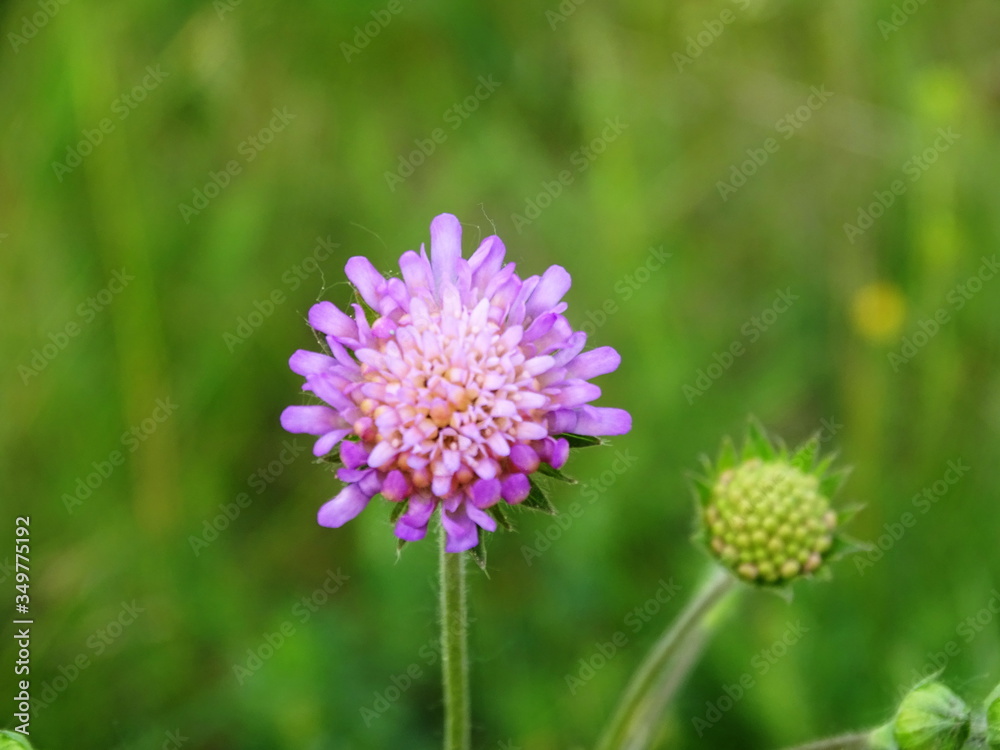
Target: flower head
x,y
464,381
932,717
766,515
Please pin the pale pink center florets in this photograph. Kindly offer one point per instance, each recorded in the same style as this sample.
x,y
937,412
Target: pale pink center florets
x,y
445,396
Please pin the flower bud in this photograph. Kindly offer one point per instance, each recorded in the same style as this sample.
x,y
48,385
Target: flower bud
x,y
13,741
932,717
766,514
993,719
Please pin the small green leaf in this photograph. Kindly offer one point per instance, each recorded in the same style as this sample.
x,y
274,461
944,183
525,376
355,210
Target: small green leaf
x,y
538,500
478,553
500,517
824,464
804,458
844,545
331,460
400,543
728,457
581,441
829,484
397,510
706,465
702,487
758,441
846,514
549,471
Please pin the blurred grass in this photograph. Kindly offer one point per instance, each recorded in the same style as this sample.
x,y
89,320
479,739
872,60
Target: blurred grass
x,y
324,176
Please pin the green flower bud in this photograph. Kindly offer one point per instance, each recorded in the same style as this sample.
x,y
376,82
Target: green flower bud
x,y
932,717
993,718
13,741
766,514
882,739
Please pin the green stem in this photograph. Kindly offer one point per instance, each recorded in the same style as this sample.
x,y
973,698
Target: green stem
x,y
664,668
454,650
854,741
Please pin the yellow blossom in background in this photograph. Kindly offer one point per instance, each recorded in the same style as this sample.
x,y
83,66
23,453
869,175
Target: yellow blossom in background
x,y
878,311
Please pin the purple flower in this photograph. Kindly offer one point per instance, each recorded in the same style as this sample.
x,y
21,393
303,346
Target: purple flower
x,y
456,392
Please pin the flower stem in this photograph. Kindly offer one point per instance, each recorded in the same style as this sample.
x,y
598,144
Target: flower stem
x,y
454,650
854,741
665,667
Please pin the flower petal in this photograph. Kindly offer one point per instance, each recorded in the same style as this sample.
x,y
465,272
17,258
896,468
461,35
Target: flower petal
x,y
329,441
460,530
538,365
395,486
446,247
408,531
596,362
485,492
328,318
481,518
571,348
555,283
524,458
515,488
312,420
599,420
308,363
486,261
366,278
561,420
381,454
577,393
353,454
416,272
341,509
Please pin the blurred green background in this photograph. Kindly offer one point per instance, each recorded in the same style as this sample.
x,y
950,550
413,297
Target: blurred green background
x,y
116,116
